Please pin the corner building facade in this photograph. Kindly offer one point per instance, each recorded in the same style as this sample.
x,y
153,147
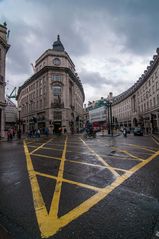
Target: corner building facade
x,y
53,97
4,46
139,105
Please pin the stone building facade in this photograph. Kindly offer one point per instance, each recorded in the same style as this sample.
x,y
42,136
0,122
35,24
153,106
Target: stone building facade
x,y
53,96
139,105
4,46
11,115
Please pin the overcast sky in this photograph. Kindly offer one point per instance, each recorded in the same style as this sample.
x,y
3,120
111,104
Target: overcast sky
x,y
110,41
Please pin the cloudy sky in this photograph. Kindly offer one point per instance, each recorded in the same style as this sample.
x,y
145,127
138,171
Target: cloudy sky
x,y
110,41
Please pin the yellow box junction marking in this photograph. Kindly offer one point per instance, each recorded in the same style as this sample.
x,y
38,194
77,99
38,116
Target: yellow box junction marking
x,y
50,223
101,159
154,139
127,153
70,181
142,147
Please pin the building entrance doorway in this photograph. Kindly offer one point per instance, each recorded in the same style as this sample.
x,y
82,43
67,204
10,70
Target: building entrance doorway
x,y
57,125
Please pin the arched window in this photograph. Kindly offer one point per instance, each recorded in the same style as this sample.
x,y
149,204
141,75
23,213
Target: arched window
x,y
57,90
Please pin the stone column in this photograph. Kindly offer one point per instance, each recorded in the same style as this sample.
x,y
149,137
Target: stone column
x,y
157,117
2,123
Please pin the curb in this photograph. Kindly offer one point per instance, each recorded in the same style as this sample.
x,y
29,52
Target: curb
x,y
107,135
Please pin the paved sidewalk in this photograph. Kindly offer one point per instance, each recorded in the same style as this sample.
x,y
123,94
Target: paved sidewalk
x,y
14,139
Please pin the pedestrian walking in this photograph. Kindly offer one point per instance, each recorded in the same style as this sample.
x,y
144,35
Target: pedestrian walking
x,y
65,131
38,133
8,135
46,131
19,134
14,132
60,130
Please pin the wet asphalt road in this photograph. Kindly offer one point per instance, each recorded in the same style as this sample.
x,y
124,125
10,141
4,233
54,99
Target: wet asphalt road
x,y
75,188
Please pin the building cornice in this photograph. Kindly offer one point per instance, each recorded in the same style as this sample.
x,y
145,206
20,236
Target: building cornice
x,y
144,77
51,52
3,104
4,44
54,68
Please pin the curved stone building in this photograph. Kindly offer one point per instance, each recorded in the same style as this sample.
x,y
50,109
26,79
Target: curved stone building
x,y
53,96
4,46
139,105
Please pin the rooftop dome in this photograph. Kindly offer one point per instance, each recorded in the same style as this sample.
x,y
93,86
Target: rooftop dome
x,y
57,45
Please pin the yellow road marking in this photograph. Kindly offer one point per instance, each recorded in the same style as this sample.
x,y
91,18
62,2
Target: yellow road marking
x,y
126,152
32,146
85,206
39,205
45,175
50,224
95,165
36,143
101,159
29,142
61,145
53,149
80,162
39,147
83,185
116,156
55,202
133,156
141,147
46,156
155,140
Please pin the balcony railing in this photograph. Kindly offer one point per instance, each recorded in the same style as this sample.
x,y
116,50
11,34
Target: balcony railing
x,y
57,105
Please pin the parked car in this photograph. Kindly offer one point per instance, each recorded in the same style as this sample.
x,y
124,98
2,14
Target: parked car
x,y
138,131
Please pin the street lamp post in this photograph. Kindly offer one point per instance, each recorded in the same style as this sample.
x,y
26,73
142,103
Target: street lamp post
x,y
19,130
108,107
109,104
111,128
19,110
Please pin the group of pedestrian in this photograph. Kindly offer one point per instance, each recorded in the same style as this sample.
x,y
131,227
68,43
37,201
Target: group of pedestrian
x,y
34,133
64,130
59,131
11,134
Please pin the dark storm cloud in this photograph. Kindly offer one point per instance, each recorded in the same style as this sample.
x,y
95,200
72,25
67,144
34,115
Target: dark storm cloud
x,y
87,28
55,20
138,21
134,20
18,55
61,19
94,79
